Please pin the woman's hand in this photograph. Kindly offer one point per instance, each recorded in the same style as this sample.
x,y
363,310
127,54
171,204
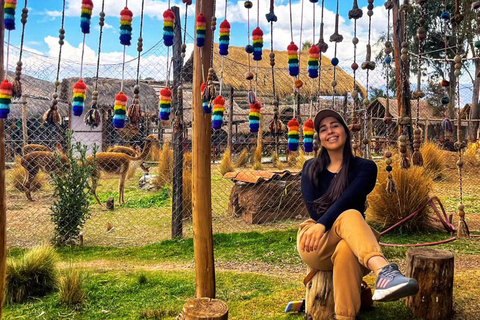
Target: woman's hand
x,y
310,240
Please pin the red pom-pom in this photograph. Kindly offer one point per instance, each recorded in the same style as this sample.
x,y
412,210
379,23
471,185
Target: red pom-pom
x,y
204,85
314,49
6,85
80,85
257,32
169,14
292,47
201,18
87,2
293,123
187,2
121,96
126,12
225,25
166,92
219,100
309,124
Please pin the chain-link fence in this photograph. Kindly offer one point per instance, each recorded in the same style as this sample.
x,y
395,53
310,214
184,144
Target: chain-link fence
x,y
258,195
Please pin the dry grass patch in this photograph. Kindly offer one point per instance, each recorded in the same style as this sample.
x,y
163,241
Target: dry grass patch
x,y
165,167
433,160
227,164
242,159
71,291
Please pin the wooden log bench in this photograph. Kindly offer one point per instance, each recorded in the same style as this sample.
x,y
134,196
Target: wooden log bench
x,y
434,271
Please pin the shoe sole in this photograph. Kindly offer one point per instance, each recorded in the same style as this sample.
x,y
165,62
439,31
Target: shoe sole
x,y
397,292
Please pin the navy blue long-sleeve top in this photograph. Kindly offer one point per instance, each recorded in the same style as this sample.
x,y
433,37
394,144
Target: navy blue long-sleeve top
x,y
362,178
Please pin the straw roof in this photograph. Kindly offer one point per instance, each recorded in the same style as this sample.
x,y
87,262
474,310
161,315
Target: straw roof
x,y
426,110
108,88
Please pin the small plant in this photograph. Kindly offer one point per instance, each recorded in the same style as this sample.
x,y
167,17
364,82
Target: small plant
x,y
242,159
33,275
226,165
142,279
69,211
71,293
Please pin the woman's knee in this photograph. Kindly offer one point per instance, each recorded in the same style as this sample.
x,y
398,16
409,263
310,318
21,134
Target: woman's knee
x,y
343,253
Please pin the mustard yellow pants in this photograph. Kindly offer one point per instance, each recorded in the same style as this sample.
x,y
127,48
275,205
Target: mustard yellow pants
x,y
345,249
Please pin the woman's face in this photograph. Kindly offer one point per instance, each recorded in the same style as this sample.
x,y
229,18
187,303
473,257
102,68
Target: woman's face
x,y
332,134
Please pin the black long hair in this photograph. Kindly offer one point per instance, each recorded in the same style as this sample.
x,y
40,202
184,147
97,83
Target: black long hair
x,y
339,183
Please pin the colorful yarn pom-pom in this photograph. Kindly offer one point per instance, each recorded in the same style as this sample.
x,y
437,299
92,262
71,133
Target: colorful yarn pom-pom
x,y
201,29
218,110
165,104
313,62
126,27
254,116
257,36
207,107
168,24
9,14
308,132
293,134
293,67
6,89
224,38
120,110
79,95
86,16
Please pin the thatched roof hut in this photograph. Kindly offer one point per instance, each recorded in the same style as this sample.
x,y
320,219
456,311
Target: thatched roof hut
x,y
236,65
377,109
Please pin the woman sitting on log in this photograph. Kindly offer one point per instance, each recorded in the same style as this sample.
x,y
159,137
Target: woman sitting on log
x,y
335,186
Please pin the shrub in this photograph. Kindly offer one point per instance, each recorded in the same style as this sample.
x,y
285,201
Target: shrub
x,y
413,187
433,159
17,175
165,167
226,165
33,275
69,211
71,291
242,159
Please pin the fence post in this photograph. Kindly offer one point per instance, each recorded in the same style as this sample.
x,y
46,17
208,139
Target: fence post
x,y
3,205
201,147
177,197
230,122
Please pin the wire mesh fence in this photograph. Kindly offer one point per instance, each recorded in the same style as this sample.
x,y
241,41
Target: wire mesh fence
x,y
153,173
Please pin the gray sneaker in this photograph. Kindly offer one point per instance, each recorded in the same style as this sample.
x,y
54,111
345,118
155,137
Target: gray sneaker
x,y
392,285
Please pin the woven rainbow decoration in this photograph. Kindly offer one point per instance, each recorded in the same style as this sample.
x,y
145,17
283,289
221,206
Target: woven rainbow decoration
x,y
126,17
257,36
313,62
168,24
207,108
293,66
308,132
165,104
86,16
120,110
293,134
9,14
79,95
201,29
6,89
224,38
218,110
254,116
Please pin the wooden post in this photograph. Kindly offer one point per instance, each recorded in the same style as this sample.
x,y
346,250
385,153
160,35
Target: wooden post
x,y
201,146
177,196
230,122
434,271
3,200
24,120
319,303
426,130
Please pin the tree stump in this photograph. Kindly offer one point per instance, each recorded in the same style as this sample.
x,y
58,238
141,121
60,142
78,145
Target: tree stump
x,y
204,309
319,304
433,270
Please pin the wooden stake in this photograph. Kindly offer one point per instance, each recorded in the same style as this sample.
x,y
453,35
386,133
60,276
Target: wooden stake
x,y
202,186
3,205
230,122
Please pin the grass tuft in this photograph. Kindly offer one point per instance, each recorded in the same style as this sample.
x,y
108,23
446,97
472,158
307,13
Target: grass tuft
x,y
227,164
276,161
433,160
242,159
292,159
165,167
71,292
142,279
33,275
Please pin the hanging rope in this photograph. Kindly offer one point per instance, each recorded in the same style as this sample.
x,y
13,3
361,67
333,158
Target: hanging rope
x,y
322,46
336,37
51,116
92,117
294,70
271,18
17,85
6,86
446,124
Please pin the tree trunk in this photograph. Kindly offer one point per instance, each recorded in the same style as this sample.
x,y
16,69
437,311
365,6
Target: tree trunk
x,y
204,308
433,270
319,296
475,110
452,91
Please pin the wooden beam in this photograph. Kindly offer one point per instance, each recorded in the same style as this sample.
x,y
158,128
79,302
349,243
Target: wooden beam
x,y
201,145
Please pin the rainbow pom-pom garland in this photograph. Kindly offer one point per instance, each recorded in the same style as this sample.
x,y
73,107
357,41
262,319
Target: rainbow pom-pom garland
x,y
218,110
224,38
168,24
313,60
201,30
308,132
86,16
126,27
120,110
254,116
79,95
257,36
9,14
293,66
6,89
165,104
293,134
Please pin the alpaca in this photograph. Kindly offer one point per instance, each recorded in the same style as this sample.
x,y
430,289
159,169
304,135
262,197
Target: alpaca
x,y
116,163
33,147
128,151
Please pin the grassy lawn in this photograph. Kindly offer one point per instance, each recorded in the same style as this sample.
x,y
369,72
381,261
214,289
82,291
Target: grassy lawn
x,y
257,274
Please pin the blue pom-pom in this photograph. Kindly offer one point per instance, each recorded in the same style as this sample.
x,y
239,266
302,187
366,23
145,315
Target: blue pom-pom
x,y
207,107
165,116
388,59
313,1
313,73
125,39
118,122
167,40
293,71
223,49
308,147
200,41
293,146
254,127
249,48
9,24
445,15
77,110
335,61
4,113
445,100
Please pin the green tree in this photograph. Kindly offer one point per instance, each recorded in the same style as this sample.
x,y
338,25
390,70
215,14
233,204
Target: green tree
x,y
306,45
